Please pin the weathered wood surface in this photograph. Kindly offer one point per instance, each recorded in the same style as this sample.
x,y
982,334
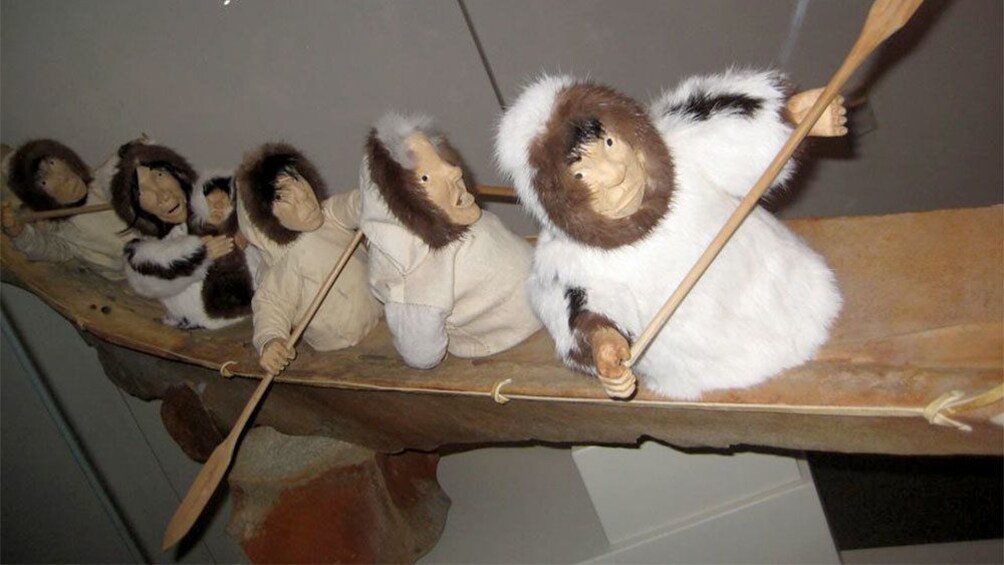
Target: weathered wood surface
x,y
922,316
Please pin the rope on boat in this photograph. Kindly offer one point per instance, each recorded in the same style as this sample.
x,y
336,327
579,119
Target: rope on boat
x,y
497,395
938,412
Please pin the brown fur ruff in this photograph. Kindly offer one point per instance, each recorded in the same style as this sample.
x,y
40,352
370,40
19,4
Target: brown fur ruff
x,y
567,199
125,192
23,168
256,186
406,198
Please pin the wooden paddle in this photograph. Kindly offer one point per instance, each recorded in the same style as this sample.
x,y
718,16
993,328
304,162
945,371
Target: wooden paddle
x,y
885,18
502,192
29,217
215,469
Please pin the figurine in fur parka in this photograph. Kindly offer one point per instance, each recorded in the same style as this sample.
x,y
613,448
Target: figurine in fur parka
x,y
150,193
300,236
629,199
229,284
46,175
450,275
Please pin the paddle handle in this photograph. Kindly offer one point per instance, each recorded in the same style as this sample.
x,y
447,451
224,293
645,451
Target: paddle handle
x,y
884,14
29,217
496,191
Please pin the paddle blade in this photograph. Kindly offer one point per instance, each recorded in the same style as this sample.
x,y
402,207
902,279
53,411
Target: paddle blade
x,y
199,493
886,17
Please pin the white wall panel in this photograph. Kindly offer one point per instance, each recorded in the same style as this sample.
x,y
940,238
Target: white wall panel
x,y
653,487
786,527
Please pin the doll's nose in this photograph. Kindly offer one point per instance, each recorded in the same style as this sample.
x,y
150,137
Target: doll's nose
x,y
611,174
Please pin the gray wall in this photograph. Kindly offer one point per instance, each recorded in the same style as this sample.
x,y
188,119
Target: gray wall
x,y
214,81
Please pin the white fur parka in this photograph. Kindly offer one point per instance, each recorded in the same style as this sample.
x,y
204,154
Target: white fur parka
x,y
173,269
764,305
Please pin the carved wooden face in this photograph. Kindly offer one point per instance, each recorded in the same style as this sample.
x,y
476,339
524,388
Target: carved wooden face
x,y
220,206
615,174
59,181
442,182
296,206
161,194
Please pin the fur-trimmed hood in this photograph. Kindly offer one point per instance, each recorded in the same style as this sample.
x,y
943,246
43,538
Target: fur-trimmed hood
x,y
125,190
255,184
532,145
198,214
390,164
23,167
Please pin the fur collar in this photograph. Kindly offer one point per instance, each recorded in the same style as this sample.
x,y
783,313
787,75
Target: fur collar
x,y
390,170
255,180
23,167
125,187
533,143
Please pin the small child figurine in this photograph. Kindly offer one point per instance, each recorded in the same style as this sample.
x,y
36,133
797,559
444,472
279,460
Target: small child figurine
x,y
450,275
229,284
300,238
47,175
630,199
150,192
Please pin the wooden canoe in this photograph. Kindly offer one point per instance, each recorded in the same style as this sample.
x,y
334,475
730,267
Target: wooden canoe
x,y
920,335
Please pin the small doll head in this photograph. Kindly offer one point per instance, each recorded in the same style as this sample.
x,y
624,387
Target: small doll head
x,y
281,192
213,210
421,178
47,175
586,160
151,187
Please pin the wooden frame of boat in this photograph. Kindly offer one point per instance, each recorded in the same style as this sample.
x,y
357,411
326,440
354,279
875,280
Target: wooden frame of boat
x,y
914,365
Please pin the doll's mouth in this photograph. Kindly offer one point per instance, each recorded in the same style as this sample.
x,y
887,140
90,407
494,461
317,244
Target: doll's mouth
x,y
465,200
620,201
175,209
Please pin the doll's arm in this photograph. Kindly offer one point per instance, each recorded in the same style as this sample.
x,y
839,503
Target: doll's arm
x,y
163,268
275,305
419,333
726,128
585,340
344,209
833,122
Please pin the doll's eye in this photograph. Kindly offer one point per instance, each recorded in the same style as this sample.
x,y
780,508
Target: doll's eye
x,y
610,142
578,176
425,178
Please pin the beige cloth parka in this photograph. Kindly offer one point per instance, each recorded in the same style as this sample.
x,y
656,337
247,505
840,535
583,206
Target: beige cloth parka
x,y
289,277
94,239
